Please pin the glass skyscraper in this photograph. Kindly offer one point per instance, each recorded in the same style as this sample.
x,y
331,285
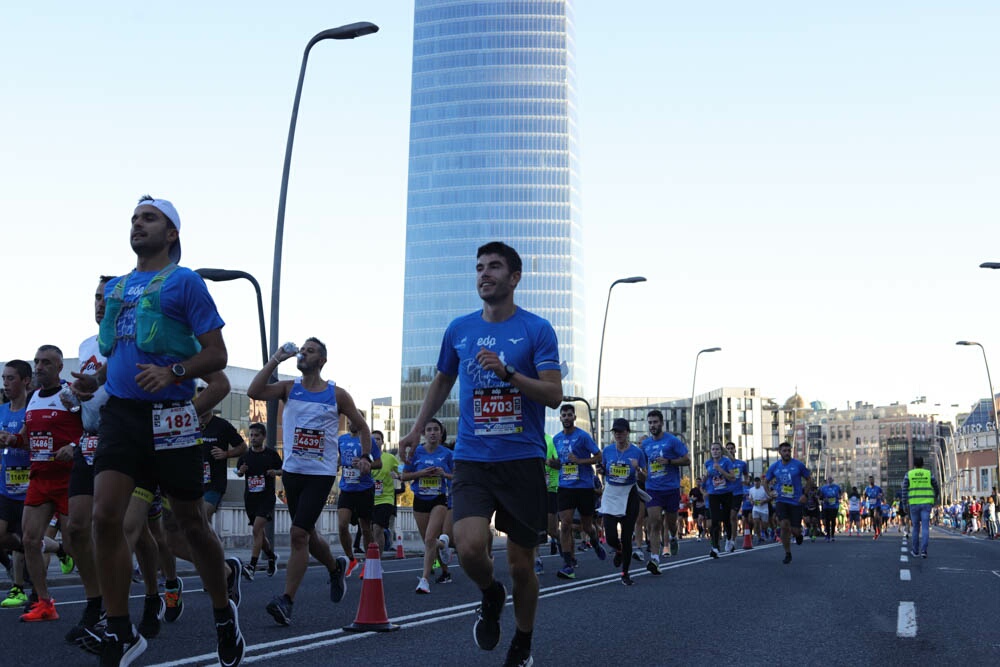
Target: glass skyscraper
x,y
493,156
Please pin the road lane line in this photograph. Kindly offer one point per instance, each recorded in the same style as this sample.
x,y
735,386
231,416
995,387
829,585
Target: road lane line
x,y
904,559
906,620
904,575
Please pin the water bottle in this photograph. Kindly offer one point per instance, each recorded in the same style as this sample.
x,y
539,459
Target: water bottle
x,y
68,396
290,348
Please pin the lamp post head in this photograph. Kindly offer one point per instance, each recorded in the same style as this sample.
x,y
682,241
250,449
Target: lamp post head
x,y
220,275
633,279
711,349
990,265
349,31
966,342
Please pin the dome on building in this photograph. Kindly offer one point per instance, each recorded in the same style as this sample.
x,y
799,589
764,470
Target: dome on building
x,y
795,401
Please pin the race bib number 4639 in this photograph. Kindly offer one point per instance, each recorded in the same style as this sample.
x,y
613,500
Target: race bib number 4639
x,y
309,444
497,411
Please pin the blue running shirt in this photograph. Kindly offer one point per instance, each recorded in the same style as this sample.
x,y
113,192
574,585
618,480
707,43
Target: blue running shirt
x,y
663,476
789,476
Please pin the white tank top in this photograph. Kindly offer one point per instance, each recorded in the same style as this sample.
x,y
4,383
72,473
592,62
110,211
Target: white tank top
x,y
310,424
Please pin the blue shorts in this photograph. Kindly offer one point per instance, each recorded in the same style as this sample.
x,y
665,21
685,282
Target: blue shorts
x,y
213,498
670,500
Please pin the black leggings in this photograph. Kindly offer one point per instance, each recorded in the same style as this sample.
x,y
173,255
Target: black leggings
x,y
627,523
720,507
830,521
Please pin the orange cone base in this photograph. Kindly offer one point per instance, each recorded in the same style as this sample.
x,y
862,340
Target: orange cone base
x,y
747,540
371,627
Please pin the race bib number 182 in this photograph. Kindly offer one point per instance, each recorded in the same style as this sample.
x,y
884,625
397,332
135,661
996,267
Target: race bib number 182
x,y
175,426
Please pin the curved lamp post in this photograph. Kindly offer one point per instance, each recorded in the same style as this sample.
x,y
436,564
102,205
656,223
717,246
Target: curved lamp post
x,y
694,379
600,356
224,275
993,404
350,31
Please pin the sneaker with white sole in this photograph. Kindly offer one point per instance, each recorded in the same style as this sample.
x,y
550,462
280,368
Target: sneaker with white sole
x,y
423,587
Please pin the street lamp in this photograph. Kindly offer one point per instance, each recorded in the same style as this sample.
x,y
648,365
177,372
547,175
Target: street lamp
x,y
343,32
600,356
993,403
590,411
224,275
694,379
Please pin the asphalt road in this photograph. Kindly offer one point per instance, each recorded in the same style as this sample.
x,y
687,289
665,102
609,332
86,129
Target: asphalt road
x,y
840,603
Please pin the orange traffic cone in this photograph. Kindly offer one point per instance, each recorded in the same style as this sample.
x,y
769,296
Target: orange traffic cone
x,y
399,547
371,616
747,538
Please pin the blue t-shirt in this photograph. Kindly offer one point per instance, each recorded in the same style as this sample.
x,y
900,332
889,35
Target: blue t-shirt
x,y
736,486
831,496
15,464
789,476
351,479
618,468
873,496
431,486
575,475
496,423
747,504
183,297
715,481
663,476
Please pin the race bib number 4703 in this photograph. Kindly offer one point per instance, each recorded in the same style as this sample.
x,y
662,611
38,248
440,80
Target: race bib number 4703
x,y
497,411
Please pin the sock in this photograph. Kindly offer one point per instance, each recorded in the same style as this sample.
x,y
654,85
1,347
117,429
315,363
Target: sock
x,y
60,554
253,563
95,603
222,615
172,584
522,640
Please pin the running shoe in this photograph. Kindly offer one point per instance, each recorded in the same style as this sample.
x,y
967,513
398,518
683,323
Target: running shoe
x,y
584,546
43,610
15,598
730,546
66,563
231,644
714,553
136,575
443,550
423,588
91,624
674,546
518,657
812,538
486,630
539,566
923,554
121,651
626,579
174,602
338,580
247,572
914,553
280,609
444,578
788,558
272,565
153,610
566,572
233,582
638,555
350,566
617,559
653,567
602,554
798,539
826,539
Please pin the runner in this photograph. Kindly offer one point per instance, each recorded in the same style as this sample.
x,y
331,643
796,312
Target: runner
x,y
759,513
259,466
160,329
14,467
552,496
736,487
698,509
429,470
664,454
51,432
310,421
719,471
811,510
788,473
873,501
357,489
385,492
220,441
830,492
507,360
622,463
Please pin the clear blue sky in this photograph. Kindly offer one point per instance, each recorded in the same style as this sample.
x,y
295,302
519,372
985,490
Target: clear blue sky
x,y
811,187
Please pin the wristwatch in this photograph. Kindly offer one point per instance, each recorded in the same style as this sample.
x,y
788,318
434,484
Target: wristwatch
x,y
178,370
371,459
510,370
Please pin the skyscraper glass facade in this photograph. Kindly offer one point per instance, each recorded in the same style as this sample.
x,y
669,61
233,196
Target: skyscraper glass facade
x,y
493,156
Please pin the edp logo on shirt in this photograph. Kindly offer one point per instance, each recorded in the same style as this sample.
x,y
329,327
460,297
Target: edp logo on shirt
x,y
486,341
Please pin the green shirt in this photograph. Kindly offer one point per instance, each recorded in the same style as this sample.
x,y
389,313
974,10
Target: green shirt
x,y
551,453
385,491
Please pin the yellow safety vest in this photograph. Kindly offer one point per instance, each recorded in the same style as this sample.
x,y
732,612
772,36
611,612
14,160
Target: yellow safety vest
x,y
920,490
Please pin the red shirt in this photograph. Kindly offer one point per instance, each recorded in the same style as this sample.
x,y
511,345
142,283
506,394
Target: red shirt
x,y
50,427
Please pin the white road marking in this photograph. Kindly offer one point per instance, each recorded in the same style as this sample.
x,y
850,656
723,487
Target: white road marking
x,y
906,620
904,575
904,559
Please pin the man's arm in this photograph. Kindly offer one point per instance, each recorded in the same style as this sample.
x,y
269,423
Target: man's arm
x,y
437,394
261,389
346,407
216,388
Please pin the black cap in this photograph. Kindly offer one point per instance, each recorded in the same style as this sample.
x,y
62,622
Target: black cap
x,y
620,424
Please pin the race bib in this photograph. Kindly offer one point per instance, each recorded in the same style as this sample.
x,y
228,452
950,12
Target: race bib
x,y
255,483
88,447
657,469
787,491
175,426
497,411
620,471
719,482
378,487
570,472
41,446
308,443
206,472
17,480
432,483
351,475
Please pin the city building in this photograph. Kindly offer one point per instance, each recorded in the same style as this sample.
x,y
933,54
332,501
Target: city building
x,y
384,416
975,452
493,156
